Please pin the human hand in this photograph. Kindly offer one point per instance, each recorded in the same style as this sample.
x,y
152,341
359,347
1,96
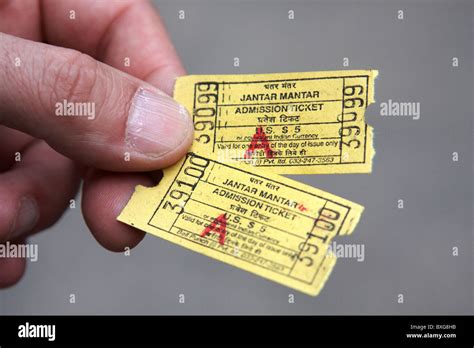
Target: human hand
x,y
103,53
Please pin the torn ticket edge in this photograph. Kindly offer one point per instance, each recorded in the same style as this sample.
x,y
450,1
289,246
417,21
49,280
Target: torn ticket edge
x,y
261,222
286,123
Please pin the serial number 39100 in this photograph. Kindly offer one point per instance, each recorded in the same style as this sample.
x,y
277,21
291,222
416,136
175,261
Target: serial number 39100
x,y
185,183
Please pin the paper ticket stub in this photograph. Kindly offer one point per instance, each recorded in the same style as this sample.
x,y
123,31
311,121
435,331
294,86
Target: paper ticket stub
x,y
289,123
263,223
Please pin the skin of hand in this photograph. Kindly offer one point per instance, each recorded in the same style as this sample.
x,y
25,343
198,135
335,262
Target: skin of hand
x,y
115,55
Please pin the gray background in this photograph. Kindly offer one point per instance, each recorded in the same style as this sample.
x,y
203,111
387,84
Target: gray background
x,y
407,251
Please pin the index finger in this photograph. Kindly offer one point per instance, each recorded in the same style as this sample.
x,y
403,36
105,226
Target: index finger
x,y
128,35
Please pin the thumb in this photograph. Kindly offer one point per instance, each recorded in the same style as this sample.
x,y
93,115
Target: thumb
x,y
87,110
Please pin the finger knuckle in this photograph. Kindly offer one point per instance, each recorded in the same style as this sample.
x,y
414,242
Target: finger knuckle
x,y
74,78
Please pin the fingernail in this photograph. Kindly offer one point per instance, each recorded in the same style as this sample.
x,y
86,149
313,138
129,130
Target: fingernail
x,y
156,123
26,218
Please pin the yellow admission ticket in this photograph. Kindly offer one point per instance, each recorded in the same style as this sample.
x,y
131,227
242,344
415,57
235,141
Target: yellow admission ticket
x,y
287,123
261,222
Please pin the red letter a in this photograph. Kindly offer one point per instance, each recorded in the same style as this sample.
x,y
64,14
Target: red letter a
x,y
222,221
259,141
